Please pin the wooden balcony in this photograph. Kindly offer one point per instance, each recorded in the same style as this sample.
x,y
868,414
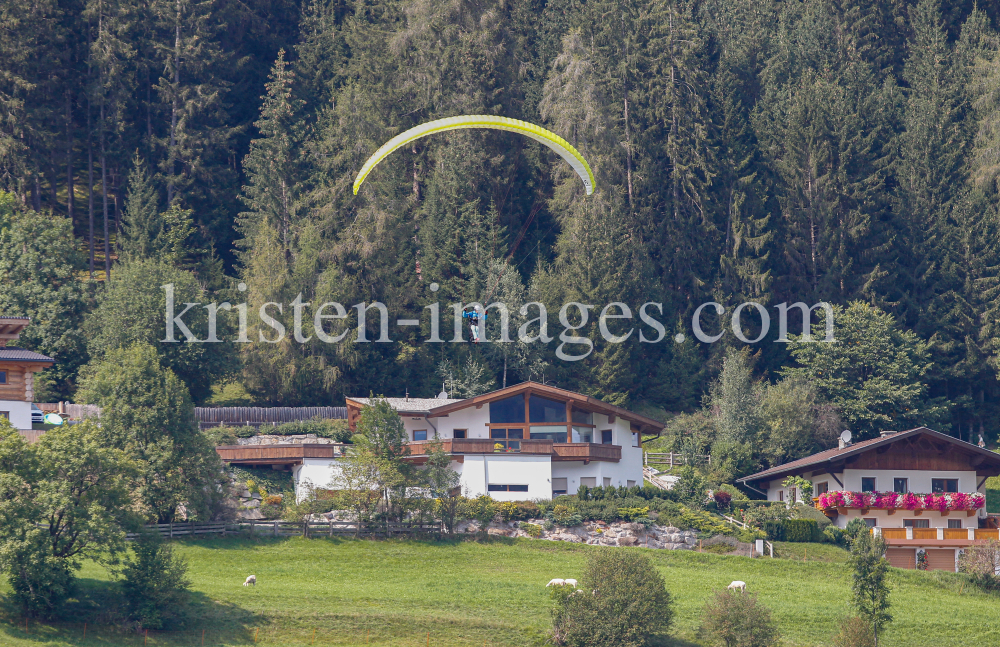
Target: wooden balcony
x,y
938,537
586,452
289,454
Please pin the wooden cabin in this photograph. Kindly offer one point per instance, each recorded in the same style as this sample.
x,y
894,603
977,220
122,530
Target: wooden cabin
x,y
17,373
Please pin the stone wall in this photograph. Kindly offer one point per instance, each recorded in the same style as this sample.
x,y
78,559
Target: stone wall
x,y
597,533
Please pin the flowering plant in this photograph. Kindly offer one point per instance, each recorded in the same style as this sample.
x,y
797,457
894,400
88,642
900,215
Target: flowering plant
x,y
909,501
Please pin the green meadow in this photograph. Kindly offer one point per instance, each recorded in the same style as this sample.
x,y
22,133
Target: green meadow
x,y
412,593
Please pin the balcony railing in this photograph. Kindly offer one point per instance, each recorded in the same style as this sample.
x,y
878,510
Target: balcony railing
x,y
559,451
942,502
285,454
953,537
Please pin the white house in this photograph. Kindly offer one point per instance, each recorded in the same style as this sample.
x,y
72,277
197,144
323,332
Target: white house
x,y
922,490
528,441
17,372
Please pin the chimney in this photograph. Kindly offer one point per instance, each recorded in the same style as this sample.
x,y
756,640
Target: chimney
x,y
841,444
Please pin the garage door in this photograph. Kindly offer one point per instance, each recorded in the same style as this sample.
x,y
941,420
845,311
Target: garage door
x,y
941,560
902,557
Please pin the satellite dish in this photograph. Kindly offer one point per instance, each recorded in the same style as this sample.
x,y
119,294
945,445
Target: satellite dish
x,y
52,419
443,395
846,435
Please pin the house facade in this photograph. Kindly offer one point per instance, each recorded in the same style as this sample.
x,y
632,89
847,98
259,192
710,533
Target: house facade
x,y
528,441
17,372
922,490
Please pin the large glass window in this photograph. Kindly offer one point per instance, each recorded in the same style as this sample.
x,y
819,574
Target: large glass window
x,y
944,485
582,417
507,410
420,434
510,439
900,486
583,434
545,410
867,483
555,434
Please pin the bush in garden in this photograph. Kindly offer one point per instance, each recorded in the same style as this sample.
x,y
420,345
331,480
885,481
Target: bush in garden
x,y
981,563
533,529
801,530
629,605
507,510
834,535
854,528
154,588
723,499
734,619
854,632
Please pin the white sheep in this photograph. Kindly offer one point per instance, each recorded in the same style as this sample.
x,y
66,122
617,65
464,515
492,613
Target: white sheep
x,y
571,582
251,580
556,582
742,586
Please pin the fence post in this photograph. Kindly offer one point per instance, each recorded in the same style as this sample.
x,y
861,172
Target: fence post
x,y
171,529
275,527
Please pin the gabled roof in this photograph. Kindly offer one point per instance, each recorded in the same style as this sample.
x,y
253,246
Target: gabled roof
x,y
835,458
22,355
434,407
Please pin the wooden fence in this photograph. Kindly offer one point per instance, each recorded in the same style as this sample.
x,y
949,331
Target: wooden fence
x,y
263,416
670,459
265,528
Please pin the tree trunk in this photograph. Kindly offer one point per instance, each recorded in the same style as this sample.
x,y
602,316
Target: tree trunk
x,y
172,153
70,196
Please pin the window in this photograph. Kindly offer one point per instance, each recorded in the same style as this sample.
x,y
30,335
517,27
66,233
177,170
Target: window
x,y
509,438
944,485
954,523
606,436
589,481
461,433
607,481
583,435
558,486
630,483
781,495
5,414
419,434
901,486
867,483
635,438
507,488
582,417
544,410
871,523
3,377
916,523
822,488
792,494
555,434
507,410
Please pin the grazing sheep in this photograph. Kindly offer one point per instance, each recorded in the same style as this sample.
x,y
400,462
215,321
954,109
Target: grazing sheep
x,y
742,586
557,582
571,582
251,580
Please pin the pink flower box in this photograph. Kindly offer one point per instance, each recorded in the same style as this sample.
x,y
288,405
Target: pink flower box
x,y
896,501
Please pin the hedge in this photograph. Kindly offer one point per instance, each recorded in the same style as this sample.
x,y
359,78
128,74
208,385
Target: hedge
x,y
802,530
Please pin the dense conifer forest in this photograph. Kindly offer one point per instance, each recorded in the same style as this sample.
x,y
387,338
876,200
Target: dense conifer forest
x,y
744,150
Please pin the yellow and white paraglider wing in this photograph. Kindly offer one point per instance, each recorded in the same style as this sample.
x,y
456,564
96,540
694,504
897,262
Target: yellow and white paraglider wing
x,y
539,134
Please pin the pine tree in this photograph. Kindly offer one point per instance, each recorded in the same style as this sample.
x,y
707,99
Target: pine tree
x,y
142,221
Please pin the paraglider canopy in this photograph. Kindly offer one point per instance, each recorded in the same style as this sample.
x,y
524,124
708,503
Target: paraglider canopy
x,y
539,134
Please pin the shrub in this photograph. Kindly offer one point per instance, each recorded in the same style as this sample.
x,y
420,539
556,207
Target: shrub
x,y
690,487
732,619
630,606
749,535
507,510
801,530
981,563
775,530
723,499
834,535
854,528
854,632
631,514
735,494
272,499
533,529
527,510
154,588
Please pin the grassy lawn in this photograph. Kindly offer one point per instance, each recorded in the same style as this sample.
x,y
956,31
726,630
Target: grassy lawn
x,y
469,594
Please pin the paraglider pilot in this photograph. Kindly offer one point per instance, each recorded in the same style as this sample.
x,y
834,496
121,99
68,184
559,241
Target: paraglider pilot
x,y
472,314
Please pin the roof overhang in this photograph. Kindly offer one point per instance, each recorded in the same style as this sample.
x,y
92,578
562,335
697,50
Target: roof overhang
x,y
984,461
11,328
